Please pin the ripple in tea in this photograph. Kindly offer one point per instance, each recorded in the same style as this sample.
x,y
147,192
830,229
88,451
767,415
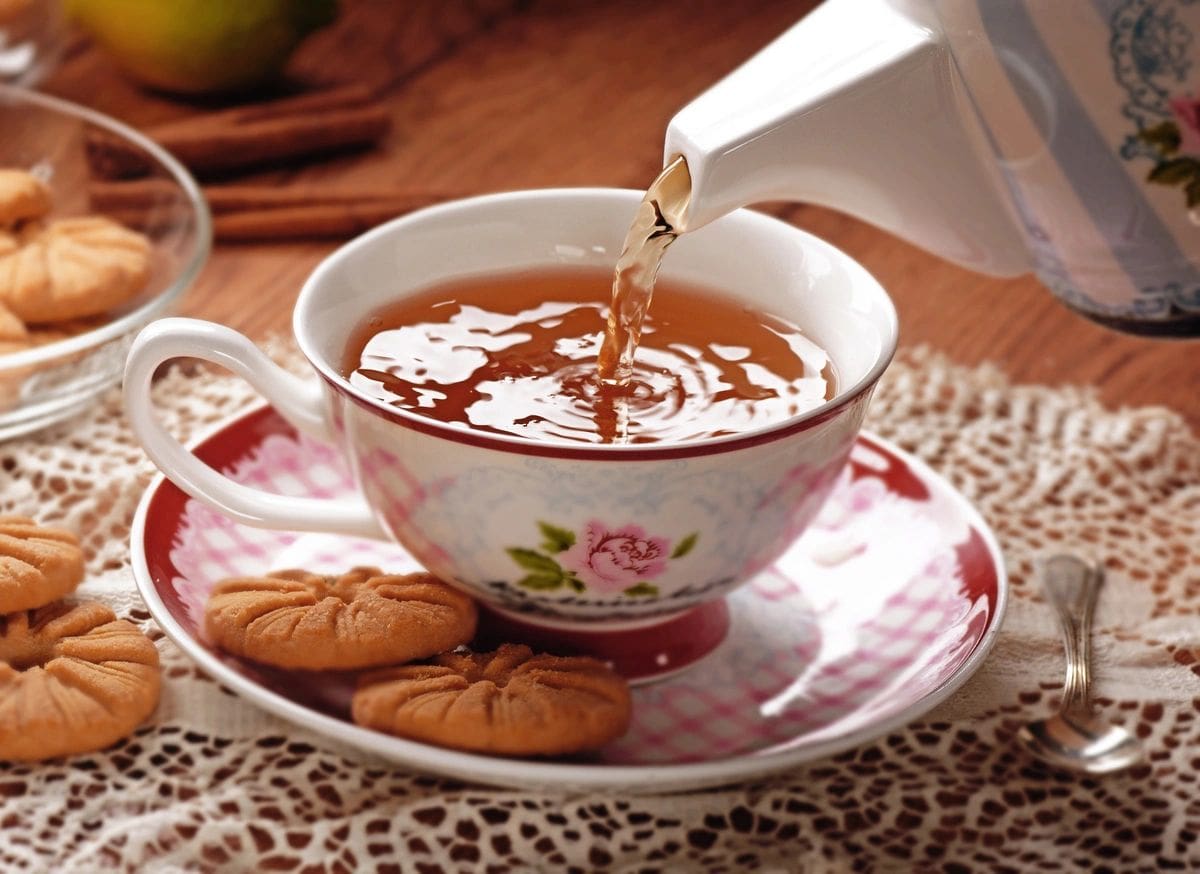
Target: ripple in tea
x,y
656,225
517,354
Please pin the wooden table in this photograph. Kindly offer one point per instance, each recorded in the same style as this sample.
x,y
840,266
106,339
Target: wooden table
x,y
489,95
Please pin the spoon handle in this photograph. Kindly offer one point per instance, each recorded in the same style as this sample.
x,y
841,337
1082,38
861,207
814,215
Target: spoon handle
x,y
1072,585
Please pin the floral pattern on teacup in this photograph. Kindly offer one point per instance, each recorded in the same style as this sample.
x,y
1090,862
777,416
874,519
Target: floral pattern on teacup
x,y
1152,50
1186,111
1176,147
606,560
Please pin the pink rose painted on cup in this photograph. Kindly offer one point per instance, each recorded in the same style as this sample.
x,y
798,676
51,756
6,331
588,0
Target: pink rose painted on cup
x,y
609,561
604,561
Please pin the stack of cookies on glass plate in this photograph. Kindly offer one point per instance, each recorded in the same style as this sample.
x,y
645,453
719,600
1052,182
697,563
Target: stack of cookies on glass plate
x,y
58,275
73,677
407,634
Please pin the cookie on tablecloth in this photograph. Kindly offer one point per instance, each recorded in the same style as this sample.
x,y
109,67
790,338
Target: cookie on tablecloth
x,y
510,702
38,564
360,619
73,679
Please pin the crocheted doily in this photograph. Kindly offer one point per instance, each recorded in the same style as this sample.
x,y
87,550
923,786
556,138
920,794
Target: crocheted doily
x,y
215,784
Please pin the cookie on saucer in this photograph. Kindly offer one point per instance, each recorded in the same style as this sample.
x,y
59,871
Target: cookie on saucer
x,y
509,702
38,564
361,619
73,679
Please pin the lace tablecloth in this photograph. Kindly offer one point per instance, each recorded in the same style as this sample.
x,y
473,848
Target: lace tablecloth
x,y
213,784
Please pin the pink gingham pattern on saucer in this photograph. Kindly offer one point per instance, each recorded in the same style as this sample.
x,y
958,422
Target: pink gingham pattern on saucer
x,y
881,602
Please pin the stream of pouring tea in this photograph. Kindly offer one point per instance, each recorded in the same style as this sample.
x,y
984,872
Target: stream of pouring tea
x,y
657,223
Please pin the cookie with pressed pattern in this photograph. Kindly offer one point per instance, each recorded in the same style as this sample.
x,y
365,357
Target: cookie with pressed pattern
x,y
508,702
73,679
360,619
22,195
38,564
73,268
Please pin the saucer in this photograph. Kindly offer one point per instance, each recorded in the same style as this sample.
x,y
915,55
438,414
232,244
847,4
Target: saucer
x,y
883,608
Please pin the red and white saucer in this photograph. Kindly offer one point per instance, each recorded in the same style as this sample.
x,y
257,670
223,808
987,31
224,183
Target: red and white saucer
x,y
883,608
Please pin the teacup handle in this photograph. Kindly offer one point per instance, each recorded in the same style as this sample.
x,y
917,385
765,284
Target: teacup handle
x,y
297,400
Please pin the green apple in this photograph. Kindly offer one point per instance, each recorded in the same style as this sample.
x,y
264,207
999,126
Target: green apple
x,y
200,46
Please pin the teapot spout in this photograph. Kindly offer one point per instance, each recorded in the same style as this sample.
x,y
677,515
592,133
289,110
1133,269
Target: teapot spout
x,y
857,107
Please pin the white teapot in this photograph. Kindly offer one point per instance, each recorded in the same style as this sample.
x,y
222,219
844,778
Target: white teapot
x,y
1059,137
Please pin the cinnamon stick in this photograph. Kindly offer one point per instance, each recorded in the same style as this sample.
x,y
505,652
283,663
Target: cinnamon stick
x,y
262,212
132,194
248,136
314,221
307,102
136,194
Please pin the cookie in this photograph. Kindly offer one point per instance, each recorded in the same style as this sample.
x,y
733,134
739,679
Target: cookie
x,y
12,329
72,679
73,268
364,618
510,702
37,564
22,196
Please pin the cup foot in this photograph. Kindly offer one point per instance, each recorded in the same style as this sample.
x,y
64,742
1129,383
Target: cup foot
x,y
641,654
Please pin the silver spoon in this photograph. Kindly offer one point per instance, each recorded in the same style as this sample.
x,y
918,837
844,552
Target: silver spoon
x,y
1074,737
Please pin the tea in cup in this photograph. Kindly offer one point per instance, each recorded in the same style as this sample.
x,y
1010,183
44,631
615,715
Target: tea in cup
x,y
628,537
516,353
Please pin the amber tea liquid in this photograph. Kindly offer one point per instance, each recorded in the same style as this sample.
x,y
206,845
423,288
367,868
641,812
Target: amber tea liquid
x,y
517,354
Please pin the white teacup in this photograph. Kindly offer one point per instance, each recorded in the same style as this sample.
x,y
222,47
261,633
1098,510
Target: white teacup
x,y
567,535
